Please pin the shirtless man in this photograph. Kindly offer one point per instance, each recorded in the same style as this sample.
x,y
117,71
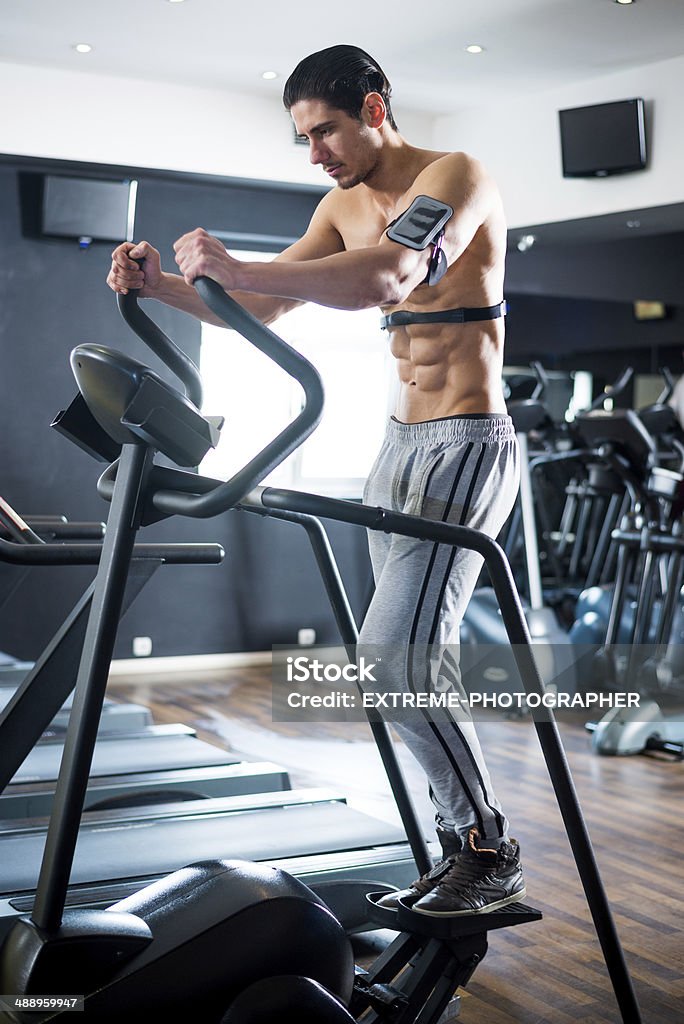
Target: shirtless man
x,y
450,451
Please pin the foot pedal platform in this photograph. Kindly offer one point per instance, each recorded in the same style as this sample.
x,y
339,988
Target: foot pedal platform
x,y
406,920
416,977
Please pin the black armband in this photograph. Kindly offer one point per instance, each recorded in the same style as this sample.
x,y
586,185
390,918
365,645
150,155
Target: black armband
x,y
422,225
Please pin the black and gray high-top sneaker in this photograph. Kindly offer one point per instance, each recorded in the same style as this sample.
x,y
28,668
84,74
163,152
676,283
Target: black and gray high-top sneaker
x,y
478,882
451,847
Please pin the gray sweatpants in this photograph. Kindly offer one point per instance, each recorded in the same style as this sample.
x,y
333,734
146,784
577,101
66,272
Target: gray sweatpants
x,y
463,470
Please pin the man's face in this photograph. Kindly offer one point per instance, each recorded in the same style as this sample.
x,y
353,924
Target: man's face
x,y
346,148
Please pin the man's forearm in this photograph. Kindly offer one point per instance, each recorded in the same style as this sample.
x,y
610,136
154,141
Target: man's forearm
x,y
358,279
175,292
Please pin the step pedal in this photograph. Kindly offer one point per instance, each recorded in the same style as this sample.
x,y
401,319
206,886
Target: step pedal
x,y
406,920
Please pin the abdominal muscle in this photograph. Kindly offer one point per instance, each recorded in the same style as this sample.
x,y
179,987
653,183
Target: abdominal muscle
x,y
448,370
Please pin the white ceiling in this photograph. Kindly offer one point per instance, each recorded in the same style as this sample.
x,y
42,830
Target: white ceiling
x,y
530,44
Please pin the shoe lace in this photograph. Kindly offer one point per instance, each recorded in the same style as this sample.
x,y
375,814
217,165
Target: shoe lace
x,y
425,883
465,875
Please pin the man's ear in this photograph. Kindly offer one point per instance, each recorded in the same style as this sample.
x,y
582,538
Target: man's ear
x,y
374,110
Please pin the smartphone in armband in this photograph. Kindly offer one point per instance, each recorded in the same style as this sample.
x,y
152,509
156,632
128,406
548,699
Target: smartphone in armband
x,y
421,224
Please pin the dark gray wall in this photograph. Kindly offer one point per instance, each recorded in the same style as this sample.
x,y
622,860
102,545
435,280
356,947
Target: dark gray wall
x,y
572,305
52,297
620,271
567,333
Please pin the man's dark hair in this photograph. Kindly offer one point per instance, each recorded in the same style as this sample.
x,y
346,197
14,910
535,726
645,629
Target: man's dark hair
x,y
341,76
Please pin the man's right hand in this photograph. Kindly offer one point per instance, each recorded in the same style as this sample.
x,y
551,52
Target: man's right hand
x,y
125,273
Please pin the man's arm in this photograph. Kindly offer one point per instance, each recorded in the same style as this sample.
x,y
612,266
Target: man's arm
x,y
320,239
356,279
461,181
383,274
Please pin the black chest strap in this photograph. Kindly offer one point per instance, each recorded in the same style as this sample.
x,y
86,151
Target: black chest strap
x,y
404,317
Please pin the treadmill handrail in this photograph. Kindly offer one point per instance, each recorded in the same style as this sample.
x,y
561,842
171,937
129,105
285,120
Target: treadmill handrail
x,y
89,554
16,526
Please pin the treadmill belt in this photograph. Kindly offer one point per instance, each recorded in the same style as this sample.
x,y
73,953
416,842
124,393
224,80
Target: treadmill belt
x,y
147,847
124,756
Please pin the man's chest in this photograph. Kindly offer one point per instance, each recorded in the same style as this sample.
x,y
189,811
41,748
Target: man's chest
x,y
362,235
362,225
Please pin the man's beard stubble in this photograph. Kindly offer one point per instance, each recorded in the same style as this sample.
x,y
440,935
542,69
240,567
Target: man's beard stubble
x,y
357,179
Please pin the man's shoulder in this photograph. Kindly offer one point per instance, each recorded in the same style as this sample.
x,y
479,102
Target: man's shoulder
x,y
455,178
452,164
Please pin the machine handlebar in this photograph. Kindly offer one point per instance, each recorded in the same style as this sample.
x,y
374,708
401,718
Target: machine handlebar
x,y
228,494
169,353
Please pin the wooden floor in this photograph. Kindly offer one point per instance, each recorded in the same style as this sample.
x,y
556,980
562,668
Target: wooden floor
x,y
546,973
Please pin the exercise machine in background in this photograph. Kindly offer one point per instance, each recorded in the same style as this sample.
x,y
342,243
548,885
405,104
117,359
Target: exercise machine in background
x,y
135,762
487,661
641,649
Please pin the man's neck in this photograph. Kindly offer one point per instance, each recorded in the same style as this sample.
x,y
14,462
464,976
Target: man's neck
x,y
394,173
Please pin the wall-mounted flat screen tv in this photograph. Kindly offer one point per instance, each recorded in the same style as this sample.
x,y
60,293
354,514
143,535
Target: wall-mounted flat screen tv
x,y
88,208
606,138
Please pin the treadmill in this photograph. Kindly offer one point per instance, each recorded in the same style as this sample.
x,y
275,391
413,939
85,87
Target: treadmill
x,y
161,798
37,530
339,852
33,529
116,718
160,763
12,671
134,762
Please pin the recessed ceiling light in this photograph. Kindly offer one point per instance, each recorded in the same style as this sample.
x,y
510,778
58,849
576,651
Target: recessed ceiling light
x,y
474,48
176,1
624,1
268,75
83,48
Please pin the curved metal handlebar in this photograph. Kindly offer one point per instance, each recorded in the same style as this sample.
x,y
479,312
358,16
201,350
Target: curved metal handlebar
x,y
227,495
153,336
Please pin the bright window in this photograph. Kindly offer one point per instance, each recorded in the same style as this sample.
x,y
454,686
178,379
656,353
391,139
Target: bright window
x,y
258,399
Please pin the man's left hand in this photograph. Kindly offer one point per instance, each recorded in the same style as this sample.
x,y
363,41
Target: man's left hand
x,y
199,254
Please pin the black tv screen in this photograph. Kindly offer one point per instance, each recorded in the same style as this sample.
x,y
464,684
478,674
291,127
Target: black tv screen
x,y
91,209
607,138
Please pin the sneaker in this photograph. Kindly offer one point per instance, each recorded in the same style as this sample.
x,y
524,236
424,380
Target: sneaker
x,y
451,847
478,882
